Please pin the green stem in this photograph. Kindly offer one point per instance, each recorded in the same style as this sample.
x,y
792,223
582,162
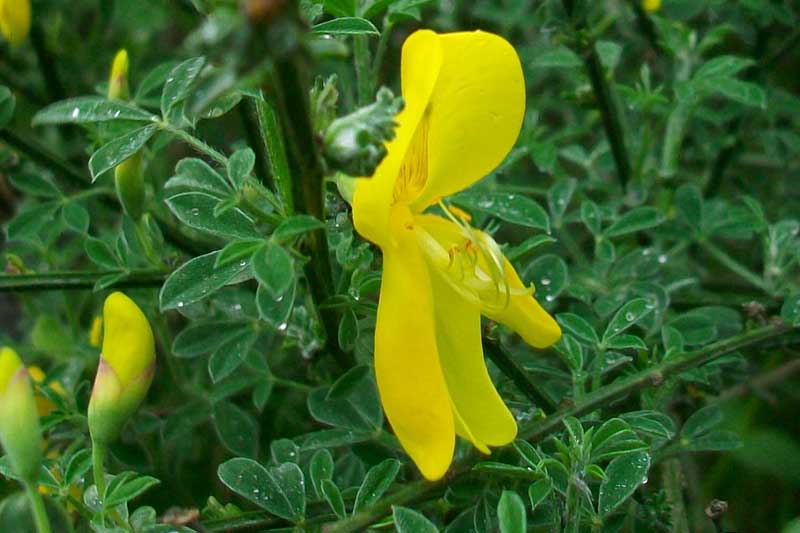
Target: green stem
x,y
363,72
98,457
52,81
38,508
377,62
38,153
195,143
75,280
734,266
508,366
305,164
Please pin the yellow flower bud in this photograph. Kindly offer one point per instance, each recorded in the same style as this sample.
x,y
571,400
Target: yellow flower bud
x,y
96,332
43,405
15,20
126,368
118,79
651,6
20,432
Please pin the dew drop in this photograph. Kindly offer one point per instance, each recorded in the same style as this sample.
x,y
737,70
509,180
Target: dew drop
x,y
662,258
545,281
629,316
76,112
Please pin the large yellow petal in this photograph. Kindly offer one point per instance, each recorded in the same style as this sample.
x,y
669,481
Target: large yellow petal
x,y
486,419
373,197
410,381
524,314
475,111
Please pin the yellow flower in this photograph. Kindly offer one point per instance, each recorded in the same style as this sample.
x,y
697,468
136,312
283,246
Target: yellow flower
x,y
15,20
126,368
651,6
465,101
20,433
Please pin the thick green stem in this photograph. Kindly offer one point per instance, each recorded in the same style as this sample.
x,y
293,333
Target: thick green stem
x,y
276,149
305,164
508,366
78,280
248,110
37,508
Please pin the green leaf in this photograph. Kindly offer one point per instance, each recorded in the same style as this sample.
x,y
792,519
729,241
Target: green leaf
x,y
196,209
726,66
238,250
237,429
346,26
30,221
744,92
511,513
591,216
231,353
637,219
559,196
334,497
76,217
626,342
193,174
274,269
359,410
340,8
514,208
538,491
557,57
623,476
279,490
101,253
702,421
527,246
377,481
689,201
35,185
7,105
651,423
410,521
579,327
115,152
203,337
348,330
179,83
296,225
197,279
714,441
549,276
130,488
275,310
87,109
627,315
349,382
321,469
614,438
240,166
790,310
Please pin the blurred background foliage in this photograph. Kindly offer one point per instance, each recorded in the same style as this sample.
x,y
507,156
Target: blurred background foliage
x,y
652,198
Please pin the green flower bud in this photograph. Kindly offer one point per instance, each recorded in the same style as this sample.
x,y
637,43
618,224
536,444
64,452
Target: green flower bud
x,y
130,185
127,365
354,143
20,432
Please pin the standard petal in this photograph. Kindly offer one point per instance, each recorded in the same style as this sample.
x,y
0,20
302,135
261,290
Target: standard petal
x,y
485,418
475,112
524,314
410,381
373,197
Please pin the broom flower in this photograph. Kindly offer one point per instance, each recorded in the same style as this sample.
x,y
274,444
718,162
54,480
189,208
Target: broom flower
x,y
126,368
464,105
